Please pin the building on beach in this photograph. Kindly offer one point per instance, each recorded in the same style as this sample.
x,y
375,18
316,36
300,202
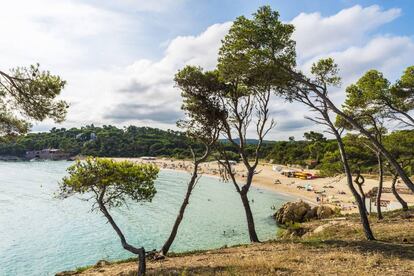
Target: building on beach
x,y
50,154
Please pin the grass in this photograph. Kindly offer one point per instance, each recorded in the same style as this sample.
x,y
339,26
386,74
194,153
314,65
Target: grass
x,y
338,249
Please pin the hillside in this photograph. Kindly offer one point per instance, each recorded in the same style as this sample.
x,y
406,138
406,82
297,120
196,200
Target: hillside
x,y
329,247
102,141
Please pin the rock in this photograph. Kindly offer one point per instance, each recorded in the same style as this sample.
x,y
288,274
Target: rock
x,y
311,214
322,227
102,263
324,211
300,211
291,212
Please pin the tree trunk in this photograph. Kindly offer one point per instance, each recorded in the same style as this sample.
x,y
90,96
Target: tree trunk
x,y
166,247
139,251
362,210
366,133
363,197
142,267
397,196
249,217
380,183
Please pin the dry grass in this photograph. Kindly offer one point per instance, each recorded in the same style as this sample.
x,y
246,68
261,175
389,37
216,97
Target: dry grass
x,y
339,249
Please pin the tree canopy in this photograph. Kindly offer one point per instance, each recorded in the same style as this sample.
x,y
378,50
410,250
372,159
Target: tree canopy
x,y
28,93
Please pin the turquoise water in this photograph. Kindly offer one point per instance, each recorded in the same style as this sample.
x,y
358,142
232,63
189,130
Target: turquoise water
x,y
41,235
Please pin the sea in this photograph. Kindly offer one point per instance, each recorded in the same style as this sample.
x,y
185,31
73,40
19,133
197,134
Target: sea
x,y
41,234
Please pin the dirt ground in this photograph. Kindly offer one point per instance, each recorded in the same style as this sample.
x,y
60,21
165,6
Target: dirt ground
x,y
330,247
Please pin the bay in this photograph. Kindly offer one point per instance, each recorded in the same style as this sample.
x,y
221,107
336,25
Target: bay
x,y
41,235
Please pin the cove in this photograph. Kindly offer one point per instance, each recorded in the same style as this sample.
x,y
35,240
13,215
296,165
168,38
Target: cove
x,y
41,235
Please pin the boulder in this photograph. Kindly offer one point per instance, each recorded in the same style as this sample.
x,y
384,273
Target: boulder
x,y
291,212
324,211
300,211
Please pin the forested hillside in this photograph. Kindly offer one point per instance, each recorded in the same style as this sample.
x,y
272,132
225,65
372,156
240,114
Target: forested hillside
x,y
314,150
101,141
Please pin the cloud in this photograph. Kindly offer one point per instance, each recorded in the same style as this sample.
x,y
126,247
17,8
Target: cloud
x,y
55,33
348,36
129,112
388,54
150,6
317,35
91,46
151,82
293,124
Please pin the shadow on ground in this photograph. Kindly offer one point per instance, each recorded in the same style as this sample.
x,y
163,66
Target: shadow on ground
x,y
404,251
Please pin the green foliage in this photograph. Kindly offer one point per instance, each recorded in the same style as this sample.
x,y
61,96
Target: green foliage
x,y
402,92
29,94
326,72
373,93
110,142
400,144
110,181
362,105
201,103
314,136
253,49
299,152
359,157
317,146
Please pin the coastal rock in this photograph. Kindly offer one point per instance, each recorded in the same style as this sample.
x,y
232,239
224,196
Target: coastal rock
x,y
300,211
291,212
324,211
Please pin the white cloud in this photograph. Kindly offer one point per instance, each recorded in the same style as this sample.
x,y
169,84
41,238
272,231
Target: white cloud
x,y
151,82
388,54
54,33
316,35
82,42
151,6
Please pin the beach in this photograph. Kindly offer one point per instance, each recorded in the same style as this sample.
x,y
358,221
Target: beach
x,y
324,190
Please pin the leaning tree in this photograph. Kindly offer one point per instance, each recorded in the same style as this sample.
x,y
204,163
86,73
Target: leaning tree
x,y
325,73
202,125
362,107
396,100
243,65
108,183
29,94
317,90
400,144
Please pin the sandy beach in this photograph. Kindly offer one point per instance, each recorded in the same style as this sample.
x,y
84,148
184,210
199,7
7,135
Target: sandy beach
x,y
327,190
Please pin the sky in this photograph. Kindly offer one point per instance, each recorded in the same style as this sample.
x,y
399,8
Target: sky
x,y
119,57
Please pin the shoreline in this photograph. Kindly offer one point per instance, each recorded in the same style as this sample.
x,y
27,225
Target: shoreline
x,y
335,190
257,185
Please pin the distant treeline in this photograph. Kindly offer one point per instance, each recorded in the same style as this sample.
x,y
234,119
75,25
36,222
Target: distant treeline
x,y
110,141
314,150
107,141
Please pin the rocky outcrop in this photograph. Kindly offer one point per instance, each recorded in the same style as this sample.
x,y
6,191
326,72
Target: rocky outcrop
x,y
324,211
301,211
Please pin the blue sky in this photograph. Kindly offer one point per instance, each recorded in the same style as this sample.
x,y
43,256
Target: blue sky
x,y
119,57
